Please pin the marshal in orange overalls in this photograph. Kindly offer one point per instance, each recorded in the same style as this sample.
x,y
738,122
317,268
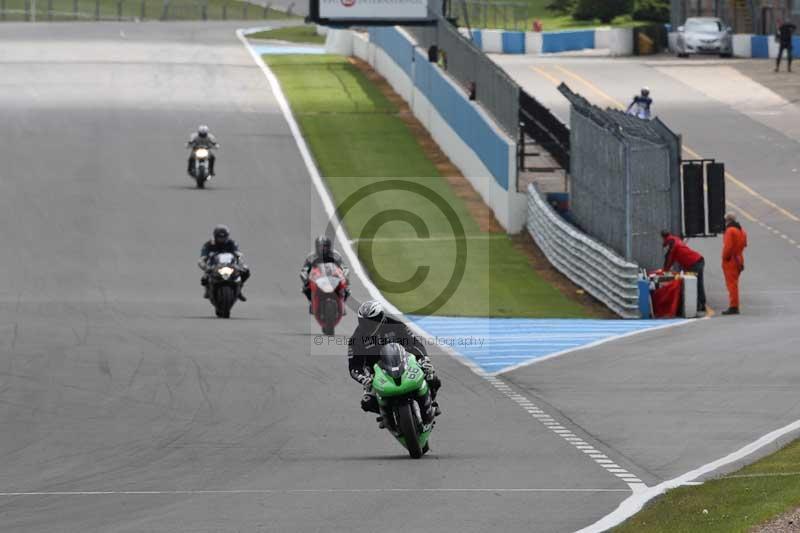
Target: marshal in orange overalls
x,y
734,243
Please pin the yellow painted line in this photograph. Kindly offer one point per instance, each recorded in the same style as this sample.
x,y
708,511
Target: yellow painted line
x,y
747,215
552,79
733,179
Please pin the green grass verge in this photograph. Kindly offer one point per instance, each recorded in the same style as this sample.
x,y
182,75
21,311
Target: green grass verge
x,y
359,142
499,14
64,10
292,34
735,503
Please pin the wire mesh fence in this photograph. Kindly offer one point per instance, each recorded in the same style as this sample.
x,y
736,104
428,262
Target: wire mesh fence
x,y
497,93
65,10
494,15
624,179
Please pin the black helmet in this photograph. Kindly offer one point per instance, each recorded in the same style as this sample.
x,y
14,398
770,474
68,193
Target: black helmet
x,y
371,316
221,234
202,130
322,245
393,359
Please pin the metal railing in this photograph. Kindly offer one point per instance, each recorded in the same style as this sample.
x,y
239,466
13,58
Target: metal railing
x,y
587,263
497,93
65,10
541,125
493,15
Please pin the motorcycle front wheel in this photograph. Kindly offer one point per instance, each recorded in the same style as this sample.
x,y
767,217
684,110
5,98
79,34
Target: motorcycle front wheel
x,y
408,429
224,301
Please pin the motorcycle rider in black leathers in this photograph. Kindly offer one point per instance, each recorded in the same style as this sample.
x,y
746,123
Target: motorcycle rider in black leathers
x,y
323,253
202,138
374,331
219,244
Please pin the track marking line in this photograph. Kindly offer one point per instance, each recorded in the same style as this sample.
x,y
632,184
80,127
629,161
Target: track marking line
x,y
641,495
222,492
356,267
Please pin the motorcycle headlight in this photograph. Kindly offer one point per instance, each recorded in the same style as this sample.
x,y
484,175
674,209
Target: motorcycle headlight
x,y
225,272
201,153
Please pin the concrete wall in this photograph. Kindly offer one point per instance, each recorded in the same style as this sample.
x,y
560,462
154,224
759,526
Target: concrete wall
x,y
618,41
462,129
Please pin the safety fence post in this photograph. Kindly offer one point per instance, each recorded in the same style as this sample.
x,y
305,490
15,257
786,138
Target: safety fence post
x,y
75,9
142,10
244,10
96,9
50,10
119,10
225,11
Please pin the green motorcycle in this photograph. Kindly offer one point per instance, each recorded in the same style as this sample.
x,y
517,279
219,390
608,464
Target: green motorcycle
x,y
404,400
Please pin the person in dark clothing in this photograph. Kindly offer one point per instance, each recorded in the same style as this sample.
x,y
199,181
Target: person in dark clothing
x,y
374,331
220,243
676,251
202,138
323,253
640,106
785,33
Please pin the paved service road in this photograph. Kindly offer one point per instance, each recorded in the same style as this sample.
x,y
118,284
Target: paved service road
x,y
125,407
673,400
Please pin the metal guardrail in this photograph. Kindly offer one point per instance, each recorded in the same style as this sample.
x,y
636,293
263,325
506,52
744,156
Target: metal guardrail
x,y
589,264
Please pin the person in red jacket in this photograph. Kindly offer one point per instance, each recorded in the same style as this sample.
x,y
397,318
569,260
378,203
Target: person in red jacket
x,y
676,251
734,243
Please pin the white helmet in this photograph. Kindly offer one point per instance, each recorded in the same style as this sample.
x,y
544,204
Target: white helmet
x,y
202,130
370,314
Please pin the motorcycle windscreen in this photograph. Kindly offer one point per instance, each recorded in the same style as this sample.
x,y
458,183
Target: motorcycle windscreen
x,y
393,364
326,283
224,259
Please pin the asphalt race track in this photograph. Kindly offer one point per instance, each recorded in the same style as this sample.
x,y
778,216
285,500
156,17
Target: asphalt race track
x,y
674,400
125,407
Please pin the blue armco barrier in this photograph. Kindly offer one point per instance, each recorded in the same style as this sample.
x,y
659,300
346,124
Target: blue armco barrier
x,y
795,46
452,105
463,118
395,45
477,38
514,42
759,46
565,41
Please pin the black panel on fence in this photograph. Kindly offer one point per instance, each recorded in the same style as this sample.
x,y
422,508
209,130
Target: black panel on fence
x,y
694,216
716,197
544,127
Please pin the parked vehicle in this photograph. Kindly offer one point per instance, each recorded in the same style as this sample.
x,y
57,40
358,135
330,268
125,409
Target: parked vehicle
x,y
328,285
704,35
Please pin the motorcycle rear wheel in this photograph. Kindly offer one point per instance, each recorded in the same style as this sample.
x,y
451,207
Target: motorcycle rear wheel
x,y
408,428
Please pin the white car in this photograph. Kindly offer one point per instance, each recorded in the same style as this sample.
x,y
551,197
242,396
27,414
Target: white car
x,y
704,35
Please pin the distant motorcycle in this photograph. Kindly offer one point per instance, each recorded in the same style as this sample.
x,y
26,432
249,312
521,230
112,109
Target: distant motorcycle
x,y
201,165
328,285
225,282
400,386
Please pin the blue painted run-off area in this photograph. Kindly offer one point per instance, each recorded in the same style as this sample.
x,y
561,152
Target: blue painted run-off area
x,y
497,344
